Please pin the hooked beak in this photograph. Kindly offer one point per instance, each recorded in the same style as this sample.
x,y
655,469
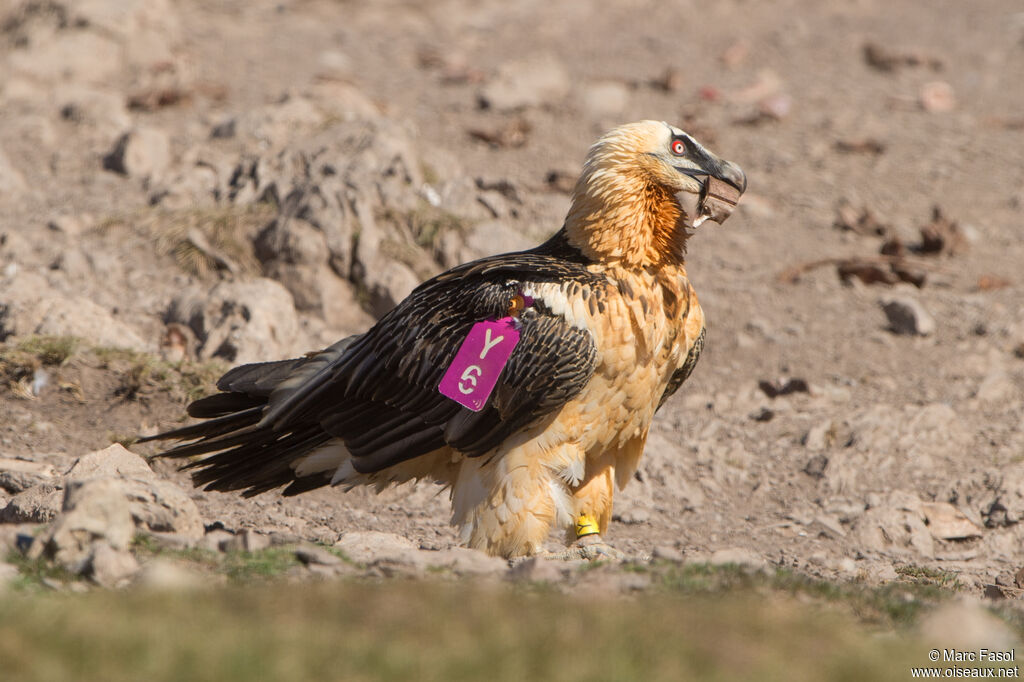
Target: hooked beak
x,y
721,187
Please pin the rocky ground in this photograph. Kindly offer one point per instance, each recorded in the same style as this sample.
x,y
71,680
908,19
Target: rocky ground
x,y
186,186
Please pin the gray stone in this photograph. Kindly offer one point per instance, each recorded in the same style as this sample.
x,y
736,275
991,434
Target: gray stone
x,y
143,153
496,236
739,556
880,571
82,318
95,512
113,461
997,387
827,525
276,124
894,531
39,504
816,466
164,575
311,554
946,522
667,553
241,320
633,515
172,541
365,547
111,568
538,570
908,317
246,541
278,539
535,81
102,110
821,436
388,284
17,475
466,562
156,505
216,540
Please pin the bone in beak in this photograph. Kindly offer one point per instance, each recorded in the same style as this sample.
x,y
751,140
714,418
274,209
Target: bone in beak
x,y
720,198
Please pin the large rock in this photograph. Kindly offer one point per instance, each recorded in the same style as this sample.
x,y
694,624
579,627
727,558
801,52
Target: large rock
x,y
367,547
93,41
895,529
95,513
32,307
110,568
466,562
78,56
946,522
156,505
241,321
114,461
17,475
39,504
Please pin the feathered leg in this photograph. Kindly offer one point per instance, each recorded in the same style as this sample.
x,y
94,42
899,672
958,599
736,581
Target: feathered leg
x,y
508,507
592,512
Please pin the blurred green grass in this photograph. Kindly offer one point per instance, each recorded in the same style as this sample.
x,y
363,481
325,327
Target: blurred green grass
x,y
406,630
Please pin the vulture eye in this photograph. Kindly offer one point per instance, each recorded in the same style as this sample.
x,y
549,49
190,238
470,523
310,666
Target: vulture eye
x,y
678,148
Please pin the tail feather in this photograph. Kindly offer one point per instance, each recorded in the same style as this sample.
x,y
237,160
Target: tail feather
x,y
210,428
221,404
258,379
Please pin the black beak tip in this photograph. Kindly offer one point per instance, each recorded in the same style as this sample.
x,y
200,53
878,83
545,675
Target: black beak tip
x,y
735,176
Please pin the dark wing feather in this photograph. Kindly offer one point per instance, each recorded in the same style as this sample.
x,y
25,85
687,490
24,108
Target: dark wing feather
x,y
684,371
379,391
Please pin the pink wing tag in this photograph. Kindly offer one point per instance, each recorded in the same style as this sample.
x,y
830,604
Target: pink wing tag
x,y
476,367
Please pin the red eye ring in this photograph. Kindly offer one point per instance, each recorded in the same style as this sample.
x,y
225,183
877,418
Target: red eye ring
x,y
678,148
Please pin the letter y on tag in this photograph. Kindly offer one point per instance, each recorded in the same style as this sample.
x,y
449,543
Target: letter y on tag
x,y
478,363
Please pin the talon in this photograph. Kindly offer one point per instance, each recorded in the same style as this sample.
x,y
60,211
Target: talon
x,y
590,547
594,548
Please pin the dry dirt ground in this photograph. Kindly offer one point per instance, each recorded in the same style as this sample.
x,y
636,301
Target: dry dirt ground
x,y
853,121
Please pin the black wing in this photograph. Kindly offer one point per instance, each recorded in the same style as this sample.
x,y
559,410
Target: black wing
x,y
684,371
379,391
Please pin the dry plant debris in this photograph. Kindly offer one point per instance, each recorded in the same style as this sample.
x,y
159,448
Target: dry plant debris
x,y
890,60
508,135
896,261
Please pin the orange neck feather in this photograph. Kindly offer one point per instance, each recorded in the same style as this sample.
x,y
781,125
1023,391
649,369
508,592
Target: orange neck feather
x,y
626,218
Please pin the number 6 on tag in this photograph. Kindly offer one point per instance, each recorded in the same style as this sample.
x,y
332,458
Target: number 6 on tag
x,y
478,363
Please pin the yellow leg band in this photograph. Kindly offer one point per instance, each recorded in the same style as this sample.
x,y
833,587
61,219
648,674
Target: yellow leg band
x,y
586,525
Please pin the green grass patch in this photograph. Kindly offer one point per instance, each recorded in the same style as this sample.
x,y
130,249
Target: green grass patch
x,y
895,603
426,223
19,361
928,576
50,350
434,631
142,373
34,573
237,566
